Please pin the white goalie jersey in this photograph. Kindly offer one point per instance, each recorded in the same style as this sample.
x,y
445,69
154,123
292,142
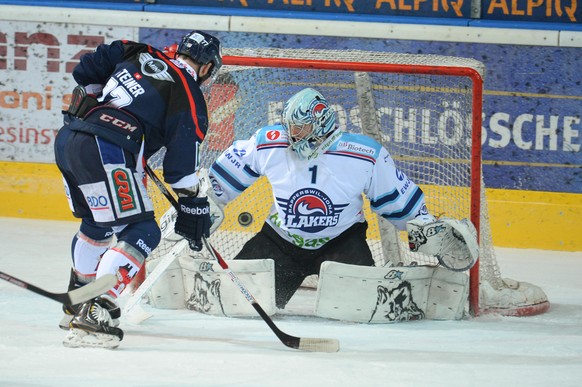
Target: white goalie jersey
x,y
316,199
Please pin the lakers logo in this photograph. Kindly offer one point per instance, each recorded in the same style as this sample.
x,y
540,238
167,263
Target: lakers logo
x,y
310,210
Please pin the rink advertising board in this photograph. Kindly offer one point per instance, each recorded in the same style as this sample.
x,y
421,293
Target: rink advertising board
x,y
36,62
561,11
425,8
531,117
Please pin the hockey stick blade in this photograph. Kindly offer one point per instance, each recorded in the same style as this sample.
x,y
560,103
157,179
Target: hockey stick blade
x,y
73,297
302,343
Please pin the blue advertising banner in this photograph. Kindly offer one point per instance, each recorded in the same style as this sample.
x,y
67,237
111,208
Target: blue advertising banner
x,y
562,11
532,123
431,8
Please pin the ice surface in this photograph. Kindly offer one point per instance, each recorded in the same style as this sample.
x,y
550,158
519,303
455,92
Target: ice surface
x,y
184,348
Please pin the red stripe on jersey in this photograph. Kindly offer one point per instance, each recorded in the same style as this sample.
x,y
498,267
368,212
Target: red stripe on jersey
x,y
273,145
188,93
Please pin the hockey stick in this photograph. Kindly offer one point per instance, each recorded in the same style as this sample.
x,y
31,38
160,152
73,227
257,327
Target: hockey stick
x,y
302,343
73,297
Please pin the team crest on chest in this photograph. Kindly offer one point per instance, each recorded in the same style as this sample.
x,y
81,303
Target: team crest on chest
x,y
155,68
310,210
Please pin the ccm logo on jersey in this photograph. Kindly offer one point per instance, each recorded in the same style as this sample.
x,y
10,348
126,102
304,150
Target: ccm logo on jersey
x,y
117,122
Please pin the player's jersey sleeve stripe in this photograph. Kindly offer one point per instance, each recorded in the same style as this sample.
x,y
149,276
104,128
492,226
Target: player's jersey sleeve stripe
x,y
250,172
226,177
383,200
199,133
416,197
272,145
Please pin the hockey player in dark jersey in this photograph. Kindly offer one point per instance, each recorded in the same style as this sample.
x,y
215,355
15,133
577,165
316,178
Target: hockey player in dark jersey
x,y
131,101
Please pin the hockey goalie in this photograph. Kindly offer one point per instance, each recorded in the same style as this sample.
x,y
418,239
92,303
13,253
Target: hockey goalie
x,y
319,177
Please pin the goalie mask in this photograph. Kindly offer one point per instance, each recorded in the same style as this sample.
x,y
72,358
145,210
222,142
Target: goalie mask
x,y
309,120
203,48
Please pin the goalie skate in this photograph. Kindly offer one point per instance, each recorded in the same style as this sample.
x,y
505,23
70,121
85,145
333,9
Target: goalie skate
x,y
93,327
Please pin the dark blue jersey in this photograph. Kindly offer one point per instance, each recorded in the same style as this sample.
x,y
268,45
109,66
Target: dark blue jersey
x,y
161,92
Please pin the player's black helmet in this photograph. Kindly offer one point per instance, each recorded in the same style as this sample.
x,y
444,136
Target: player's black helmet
x,y
203,48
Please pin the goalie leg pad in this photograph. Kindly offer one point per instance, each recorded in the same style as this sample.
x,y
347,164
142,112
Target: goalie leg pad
x,y
385,295
168,291
209,289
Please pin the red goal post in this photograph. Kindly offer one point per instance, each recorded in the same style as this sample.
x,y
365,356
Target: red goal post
x,y
425,109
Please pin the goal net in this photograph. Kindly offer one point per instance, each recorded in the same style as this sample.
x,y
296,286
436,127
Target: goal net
x,y
424,109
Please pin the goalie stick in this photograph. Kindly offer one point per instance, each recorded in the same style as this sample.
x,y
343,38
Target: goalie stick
x,y
301,343
73,297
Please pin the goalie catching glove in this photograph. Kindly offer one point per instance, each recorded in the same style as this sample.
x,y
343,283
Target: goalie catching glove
x,y
453,242
193,220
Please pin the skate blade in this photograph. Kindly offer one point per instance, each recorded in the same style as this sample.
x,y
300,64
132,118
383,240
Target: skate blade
x,y
78,338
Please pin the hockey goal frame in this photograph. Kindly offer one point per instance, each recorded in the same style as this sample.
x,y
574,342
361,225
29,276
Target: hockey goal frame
x,y
419,93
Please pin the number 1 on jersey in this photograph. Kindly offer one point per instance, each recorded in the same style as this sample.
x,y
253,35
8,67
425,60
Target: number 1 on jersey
x,y
313,171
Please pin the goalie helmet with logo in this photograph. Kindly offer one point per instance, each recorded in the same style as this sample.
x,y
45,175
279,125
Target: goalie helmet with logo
x,y
203,48
309,120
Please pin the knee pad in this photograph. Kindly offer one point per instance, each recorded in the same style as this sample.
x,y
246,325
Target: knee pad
x,y
134,243
86,250
143,236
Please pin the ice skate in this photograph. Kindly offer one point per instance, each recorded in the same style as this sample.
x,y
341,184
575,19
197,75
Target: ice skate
x,y
94,327
69,312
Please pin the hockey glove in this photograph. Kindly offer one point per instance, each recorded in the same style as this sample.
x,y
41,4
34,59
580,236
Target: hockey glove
x,y
193,220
